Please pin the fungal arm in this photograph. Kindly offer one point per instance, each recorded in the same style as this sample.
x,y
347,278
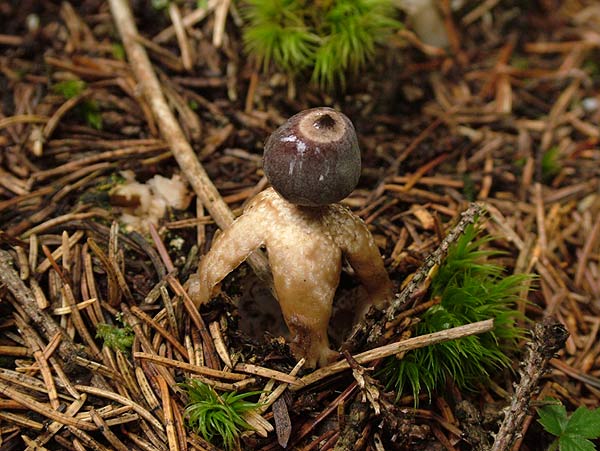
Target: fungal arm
x,y
361,252
229,250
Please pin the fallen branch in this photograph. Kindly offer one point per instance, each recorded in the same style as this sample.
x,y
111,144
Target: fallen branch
x,y
43,321
171,130
548,337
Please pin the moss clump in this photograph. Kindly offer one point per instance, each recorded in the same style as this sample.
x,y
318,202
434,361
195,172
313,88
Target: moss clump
x,y
332,38
116,338
471,288
217,415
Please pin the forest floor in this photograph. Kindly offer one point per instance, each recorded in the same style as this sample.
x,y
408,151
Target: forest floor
x,y
508,117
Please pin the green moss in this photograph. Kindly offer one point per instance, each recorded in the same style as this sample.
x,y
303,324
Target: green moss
x,y
91,113
118,51
159,5
550,163
471,288
69,88
331,38
116,338
215,415
87,109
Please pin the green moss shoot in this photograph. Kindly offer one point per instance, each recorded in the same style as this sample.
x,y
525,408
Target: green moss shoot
x,y
215,415
550,163
116,338
87,108
331,38
471,288
69,88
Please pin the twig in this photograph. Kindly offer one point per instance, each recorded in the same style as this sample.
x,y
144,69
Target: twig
x,y
161,330
548,337
42,319
266,372
366,383
435,259
212,359
586,251
29,336
266,400
401,346
220,346
171,131
105,429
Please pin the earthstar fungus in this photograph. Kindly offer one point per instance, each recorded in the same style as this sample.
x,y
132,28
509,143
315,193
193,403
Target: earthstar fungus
x,y
312,161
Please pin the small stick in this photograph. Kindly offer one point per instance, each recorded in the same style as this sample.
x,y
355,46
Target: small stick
x,y
58,252
586,251
161,248
22,119
435,259
21,421
140,335
266,401
85,440
368,386
170,312
548,337
188,21
78,320
15,351
96,367
180,429
29,336
212,359
146,389
80,306
23,262
220,19
55,426
171,130
140,442
401,346
124,368
43,320
307,427
266,372
114,295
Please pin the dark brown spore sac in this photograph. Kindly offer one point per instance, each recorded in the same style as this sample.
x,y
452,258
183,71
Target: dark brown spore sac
x,y
313,159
